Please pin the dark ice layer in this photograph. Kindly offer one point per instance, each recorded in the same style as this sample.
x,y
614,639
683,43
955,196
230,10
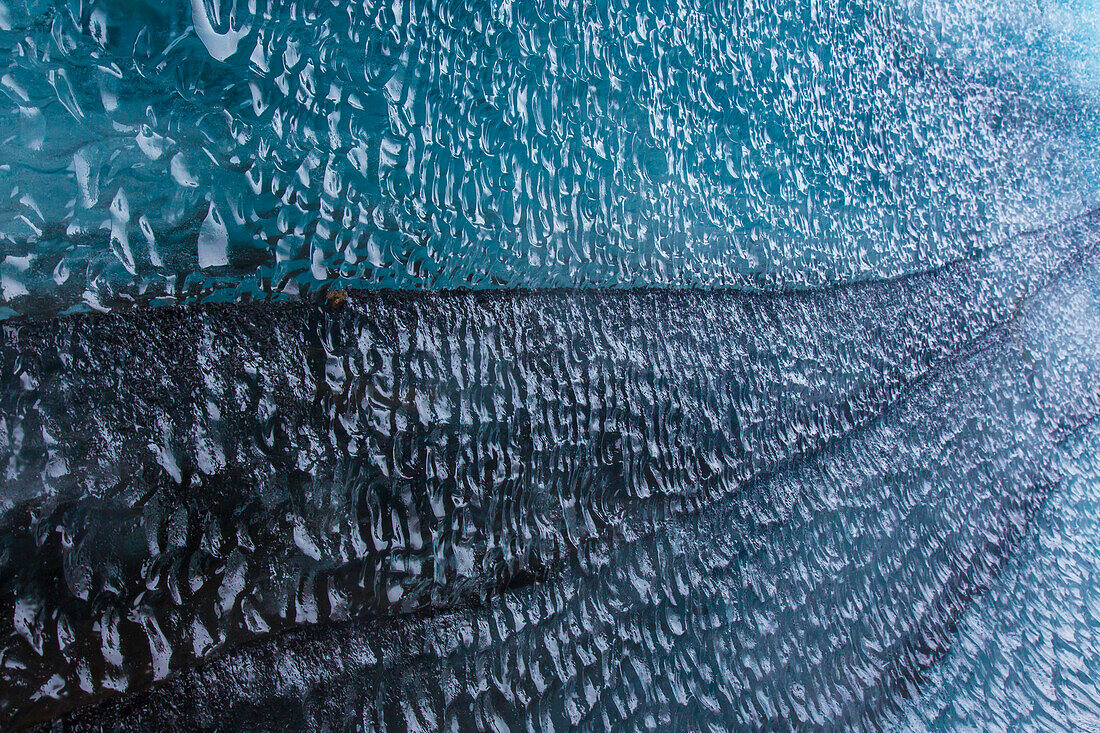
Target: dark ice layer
x,y
458,510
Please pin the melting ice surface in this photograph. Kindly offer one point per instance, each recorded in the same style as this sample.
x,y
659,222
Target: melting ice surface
x,y
220,148
707,365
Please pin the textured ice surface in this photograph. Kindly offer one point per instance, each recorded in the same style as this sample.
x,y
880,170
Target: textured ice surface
x,y
768,401
1028,656
647,508
185,149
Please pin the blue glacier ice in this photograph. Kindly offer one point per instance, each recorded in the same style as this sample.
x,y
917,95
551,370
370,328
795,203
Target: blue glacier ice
x,y
222,149
491,365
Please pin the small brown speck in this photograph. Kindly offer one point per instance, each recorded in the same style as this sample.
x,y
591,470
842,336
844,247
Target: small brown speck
x,y
337,299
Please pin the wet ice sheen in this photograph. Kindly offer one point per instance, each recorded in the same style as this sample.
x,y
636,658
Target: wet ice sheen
x,y
647,508
268,146
706,366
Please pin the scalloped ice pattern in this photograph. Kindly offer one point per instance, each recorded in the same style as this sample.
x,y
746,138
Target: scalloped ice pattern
x,y
503,510
705,365
222,148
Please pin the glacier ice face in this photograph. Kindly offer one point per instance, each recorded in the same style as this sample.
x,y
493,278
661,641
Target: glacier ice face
x,y
1025,657
705,365
223,148
754,487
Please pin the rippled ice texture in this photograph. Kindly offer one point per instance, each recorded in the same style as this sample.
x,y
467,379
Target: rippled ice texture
x,y
178,149
547,508
710,366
